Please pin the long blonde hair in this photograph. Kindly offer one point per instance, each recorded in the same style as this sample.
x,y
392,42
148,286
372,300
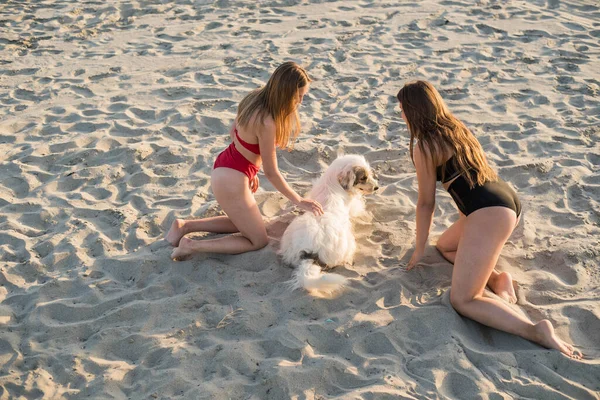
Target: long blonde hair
x,y
277,99
436,129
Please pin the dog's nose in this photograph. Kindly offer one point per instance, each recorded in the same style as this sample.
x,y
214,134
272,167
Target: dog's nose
x,y
376,187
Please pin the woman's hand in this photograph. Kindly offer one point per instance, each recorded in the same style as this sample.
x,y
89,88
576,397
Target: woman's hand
x,y
415,259
310,205
254,184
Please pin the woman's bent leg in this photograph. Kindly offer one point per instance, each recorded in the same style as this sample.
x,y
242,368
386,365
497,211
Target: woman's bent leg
x,y
181,227
500,283
231,189
447,244
484,235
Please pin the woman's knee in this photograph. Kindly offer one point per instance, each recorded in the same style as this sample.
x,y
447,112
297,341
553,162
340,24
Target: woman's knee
x,y
440,247
459,301
260,242
448,241
444,249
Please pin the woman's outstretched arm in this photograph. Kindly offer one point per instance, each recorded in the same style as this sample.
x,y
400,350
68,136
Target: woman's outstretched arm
x,y
266,140
425,203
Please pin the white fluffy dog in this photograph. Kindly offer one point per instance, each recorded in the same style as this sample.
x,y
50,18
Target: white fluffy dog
x,y
310,242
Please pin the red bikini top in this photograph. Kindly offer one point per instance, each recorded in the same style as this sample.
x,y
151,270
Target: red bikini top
x,y
254,148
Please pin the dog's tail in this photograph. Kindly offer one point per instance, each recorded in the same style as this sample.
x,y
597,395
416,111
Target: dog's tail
x,y
309,276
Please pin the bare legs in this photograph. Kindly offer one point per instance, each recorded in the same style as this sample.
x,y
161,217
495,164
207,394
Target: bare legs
x,y
500,283
232,192
181,227
476,256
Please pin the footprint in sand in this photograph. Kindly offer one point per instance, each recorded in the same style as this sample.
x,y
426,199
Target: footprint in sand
x,y
27,95
213,25
24,71
119,103
457,385
82,91
174,93
214,124
43,248
87,127
574,26
97,192
270,21
139,180
11,241
170,38
145,115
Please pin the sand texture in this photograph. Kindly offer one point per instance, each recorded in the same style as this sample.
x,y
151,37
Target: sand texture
x,y
112,113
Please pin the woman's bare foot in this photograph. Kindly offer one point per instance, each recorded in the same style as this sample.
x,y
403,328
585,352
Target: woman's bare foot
x,y
184,250
502,285
546,336
176,232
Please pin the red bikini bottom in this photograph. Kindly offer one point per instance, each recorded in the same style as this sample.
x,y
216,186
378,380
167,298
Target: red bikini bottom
x,y
232,158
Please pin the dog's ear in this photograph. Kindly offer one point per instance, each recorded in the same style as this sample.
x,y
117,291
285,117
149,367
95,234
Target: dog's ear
x,y
346,178
360,175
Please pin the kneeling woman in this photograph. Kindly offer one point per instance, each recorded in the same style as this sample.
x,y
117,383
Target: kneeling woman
x,y
445,150
267,118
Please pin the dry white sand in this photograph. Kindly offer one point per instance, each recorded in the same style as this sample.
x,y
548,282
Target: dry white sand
x,y
112,114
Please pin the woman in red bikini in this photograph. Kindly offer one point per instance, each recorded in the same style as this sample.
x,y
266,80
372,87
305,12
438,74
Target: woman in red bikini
x,y
267,118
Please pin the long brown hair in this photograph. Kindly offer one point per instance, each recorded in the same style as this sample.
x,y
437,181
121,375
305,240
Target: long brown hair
x,y
276,99
436,129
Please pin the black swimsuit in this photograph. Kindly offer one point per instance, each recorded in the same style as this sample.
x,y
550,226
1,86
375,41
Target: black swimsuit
x,y
490,194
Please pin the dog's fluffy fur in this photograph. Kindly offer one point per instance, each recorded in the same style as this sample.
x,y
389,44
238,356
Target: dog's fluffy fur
x,y
328,239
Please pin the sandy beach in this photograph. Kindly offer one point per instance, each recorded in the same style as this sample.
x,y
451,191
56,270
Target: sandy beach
x,y
112,113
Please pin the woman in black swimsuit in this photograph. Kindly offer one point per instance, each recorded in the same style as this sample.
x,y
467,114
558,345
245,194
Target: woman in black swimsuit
x,y
445,150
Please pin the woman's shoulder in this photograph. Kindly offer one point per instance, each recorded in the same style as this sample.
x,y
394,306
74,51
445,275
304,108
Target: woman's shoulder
x,y
263,124
436,156
422,150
